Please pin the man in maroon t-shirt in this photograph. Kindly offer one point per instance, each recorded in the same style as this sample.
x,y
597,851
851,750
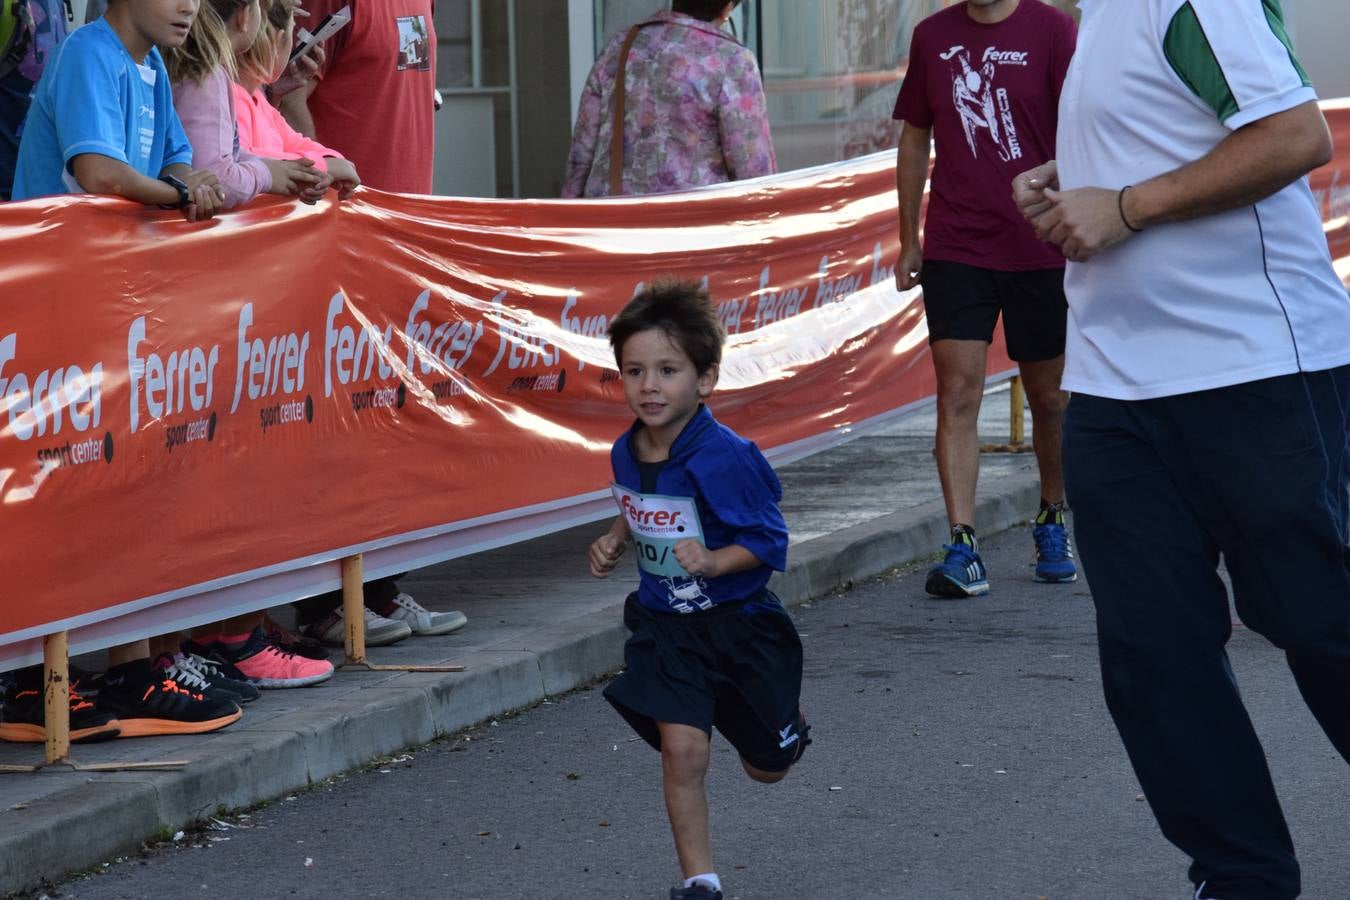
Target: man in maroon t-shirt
x,y
983,81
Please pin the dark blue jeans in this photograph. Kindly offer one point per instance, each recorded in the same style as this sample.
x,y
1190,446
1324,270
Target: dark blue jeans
x,y
1257,473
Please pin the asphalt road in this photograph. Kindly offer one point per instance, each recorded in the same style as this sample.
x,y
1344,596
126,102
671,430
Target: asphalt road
x,y
961,750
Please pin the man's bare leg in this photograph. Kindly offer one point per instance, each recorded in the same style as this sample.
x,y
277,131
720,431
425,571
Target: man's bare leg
x,y
960,368
1047,402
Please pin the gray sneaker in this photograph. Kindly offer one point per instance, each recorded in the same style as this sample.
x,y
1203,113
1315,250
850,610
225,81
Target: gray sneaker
x,y
380,631
422,620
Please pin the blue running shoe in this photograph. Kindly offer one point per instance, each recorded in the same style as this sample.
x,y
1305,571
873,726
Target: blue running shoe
x,y
1054,554
961,574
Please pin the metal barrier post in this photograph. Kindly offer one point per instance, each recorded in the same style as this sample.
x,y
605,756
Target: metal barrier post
x,y
56,696
354,619
1016,434
354,609
1016,430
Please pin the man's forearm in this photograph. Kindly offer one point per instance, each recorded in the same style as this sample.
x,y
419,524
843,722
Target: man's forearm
x,y
911,173
1249,165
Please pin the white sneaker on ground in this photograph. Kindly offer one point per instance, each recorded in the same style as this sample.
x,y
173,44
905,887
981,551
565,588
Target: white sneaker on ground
x,y
422,620
379,630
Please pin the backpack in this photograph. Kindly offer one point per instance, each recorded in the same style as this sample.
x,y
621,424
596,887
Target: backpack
x,y
16,33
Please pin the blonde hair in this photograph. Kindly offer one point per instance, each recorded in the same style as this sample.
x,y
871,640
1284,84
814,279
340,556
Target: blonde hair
x,y
208,43
260,60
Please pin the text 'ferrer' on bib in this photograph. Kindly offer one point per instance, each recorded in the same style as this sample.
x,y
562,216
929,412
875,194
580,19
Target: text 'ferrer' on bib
x,y
658,523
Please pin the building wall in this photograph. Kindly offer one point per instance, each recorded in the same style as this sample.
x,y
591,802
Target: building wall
x,y
545,96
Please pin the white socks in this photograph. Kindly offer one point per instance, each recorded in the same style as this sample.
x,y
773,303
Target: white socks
x,y
709,880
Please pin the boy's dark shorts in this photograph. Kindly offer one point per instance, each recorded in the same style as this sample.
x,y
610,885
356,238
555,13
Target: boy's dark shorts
x,y
963,303
736,666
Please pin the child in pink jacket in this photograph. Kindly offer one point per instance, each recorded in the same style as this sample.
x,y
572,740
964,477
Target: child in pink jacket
x,y
262,130
201,71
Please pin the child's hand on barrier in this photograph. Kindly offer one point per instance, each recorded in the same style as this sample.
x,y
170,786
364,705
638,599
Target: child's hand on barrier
x,y
207,196
344,175
291,176
314,193
695,558
605,554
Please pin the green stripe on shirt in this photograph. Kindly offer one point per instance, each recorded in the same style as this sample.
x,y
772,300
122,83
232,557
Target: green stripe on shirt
x,y
1189,53
1192,57
1275,16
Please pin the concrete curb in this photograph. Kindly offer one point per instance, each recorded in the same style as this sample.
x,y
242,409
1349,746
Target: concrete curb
x,y
100,817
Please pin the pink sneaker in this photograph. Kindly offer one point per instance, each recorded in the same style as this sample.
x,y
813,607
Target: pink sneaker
x,y
270,667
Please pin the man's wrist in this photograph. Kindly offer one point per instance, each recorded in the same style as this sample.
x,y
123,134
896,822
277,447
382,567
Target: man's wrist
x,y
1122,204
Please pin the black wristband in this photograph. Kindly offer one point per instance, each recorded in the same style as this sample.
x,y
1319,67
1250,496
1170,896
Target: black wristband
x,y
1120,204
184,197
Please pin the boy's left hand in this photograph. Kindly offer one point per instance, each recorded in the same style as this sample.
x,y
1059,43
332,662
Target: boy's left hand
x,y
695,558
206,195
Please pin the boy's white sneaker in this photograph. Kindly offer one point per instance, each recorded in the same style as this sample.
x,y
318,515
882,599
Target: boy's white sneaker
x,y
422,620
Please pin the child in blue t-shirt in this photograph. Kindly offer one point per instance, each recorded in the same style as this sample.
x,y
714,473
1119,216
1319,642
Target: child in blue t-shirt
x,y
102,119
710,645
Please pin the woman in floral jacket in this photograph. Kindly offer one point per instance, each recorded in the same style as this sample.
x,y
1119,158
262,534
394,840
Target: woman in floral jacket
x,y
694,108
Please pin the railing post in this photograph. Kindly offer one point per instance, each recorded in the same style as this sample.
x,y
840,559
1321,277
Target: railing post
x,y
56,696
354,608
1017,431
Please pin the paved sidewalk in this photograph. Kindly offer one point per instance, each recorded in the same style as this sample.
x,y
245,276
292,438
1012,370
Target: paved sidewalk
x,y
538,626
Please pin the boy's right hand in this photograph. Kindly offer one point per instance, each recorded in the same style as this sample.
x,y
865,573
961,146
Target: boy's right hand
x,y
605,554
291,176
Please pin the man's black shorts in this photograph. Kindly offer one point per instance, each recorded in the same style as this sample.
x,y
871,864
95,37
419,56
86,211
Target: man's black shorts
x,y
963,303
737,666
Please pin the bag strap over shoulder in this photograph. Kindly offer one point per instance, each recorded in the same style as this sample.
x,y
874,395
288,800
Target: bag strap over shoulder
x,y
616,121
620,96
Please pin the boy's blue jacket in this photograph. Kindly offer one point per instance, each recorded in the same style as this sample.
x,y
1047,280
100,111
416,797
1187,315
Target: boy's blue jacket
x,y
737,495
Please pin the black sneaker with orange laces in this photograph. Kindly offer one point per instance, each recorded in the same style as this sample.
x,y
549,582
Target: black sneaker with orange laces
x,y
147,701
23,717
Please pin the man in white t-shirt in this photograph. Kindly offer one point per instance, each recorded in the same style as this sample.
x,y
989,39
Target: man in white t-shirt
x,y
1208,352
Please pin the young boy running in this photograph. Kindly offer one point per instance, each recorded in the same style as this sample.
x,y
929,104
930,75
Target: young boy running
x,y
710,646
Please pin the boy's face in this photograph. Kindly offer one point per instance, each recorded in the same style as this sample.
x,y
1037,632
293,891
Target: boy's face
x,y
661,384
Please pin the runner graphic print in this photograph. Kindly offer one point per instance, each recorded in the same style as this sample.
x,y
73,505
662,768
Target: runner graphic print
x,y
981,105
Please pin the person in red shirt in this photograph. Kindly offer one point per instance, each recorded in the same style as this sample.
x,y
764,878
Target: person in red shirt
x,y
373,101
983,82
374,97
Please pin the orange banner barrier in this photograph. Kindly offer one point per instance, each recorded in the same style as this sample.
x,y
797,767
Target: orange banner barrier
x,y
198,420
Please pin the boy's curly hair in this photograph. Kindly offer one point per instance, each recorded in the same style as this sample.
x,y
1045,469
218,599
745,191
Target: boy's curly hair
x,y
681,309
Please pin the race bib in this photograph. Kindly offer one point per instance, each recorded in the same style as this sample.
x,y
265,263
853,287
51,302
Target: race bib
x,y
658,523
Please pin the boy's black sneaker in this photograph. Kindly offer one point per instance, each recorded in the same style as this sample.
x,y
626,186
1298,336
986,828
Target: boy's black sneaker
x,y
187,676
219,674
148,701
695,892
24,715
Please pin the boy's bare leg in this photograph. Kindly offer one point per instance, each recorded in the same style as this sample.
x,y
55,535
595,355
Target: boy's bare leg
x,y
684,764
